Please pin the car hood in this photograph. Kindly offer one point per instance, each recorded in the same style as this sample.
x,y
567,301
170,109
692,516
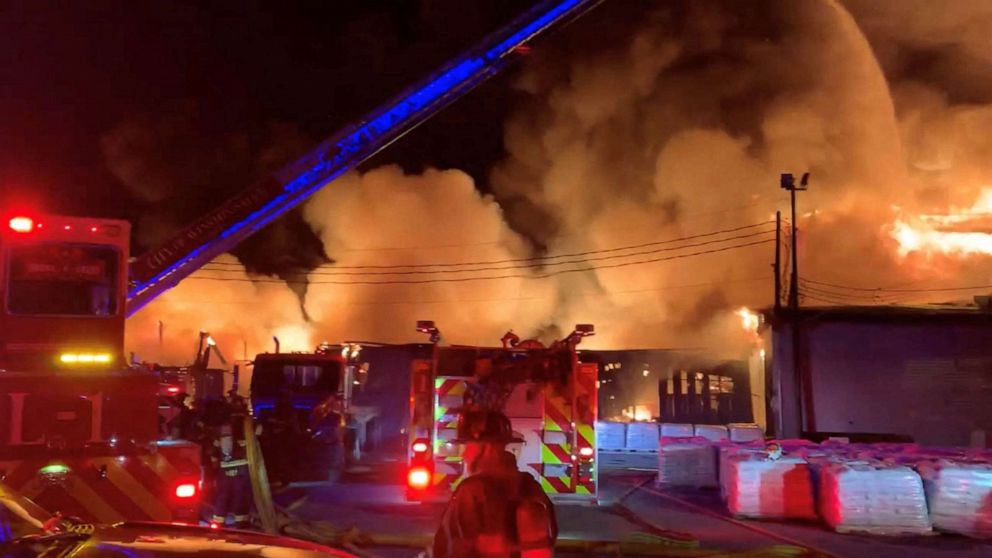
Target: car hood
x,y
169,539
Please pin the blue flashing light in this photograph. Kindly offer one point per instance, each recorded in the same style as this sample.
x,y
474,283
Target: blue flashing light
x,y
361,142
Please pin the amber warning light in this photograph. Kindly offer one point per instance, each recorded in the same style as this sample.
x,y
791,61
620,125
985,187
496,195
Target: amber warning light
x,y
21,224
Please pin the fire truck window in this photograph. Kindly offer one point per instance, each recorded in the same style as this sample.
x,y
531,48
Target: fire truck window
x,y
63,279
270,378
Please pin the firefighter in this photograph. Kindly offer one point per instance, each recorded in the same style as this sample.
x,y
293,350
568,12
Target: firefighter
x,y
181,425
496,511
326,425
280,433
230,459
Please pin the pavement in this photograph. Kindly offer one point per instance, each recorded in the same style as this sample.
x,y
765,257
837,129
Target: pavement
x,y
629,504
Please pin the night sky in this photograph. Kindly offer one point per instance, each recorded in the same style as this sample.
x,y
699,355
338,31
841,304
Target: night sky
x,y
201,77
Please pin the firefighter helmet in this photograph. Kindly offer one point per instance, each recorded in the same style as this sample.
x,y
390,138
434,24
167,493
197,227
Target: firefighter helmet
x,y
485,426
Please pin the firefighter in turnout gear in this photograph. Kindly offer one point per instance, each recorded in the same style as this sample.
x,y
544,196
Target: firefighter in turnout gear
x,y
496,511
230,459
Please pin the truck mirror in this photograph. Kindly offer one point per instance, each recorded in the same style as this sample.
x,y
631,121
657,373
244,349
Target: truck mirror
x,y
585,329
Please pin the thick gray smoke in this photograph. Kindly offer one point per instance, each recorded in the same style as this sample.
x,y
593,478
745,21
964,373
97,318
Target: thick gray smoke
x,y
683,126
652,121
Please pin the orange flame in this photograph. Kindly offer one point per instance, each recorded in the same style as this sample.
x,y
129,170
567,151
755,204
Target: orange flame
x,y
962,231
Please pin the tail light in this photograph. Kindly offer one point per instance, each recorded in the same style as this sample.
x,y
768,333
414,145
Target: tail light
x,y
21,224
420,447
186,490
418,478
586,452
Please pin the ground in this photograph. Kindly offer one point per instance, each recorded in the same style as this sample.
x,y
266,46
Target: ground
x,y
629,503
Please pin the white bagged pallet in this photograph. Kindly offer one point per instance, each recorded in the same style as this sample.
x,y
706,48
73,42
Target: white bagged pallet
x,y
873,497
687,462
762,488
611,436
725,451
960,497
642,436
712,432
673,430
745,432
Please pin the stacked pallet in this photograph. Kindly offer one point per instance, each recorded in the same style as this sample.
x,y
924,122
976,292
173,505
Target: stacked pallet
x,y
960,496
687,462
873,497
642,436
611,436
759,487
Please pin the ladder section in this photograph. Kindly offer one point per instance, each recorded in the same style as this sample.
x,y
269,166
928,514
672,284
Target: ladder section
x,y
223,228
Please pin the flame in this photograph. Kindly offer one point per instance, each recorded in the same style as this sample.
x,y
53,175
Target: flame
x,y
962,232
749,321
638,413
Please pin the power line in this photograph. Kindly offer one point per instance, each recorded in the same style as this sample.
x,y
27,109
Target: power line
x,y
883,290
526,266
491,277
512,299
875,296
538,258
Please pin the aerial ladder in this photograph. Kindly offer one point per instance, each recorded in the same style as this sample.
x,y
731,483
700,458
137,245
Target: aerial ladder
x,y
240,216
81,427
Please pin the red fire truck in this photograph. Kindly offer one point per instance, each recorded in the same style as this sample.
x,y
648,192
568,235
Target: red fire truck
x,y
548,394
78,426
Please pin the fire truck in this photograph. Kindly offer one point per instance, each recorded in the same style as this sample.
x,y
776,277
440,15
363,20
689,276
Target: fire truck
x,y
548,394
78,425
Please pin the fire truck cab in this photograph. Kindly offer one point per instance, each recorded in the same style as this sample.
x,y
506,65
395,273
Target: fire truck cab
x,y
78,426
548,394
313,383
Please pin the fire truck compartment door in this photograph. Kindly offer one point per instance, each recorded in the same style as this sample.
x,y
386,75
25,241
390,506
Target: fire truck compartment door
x,y
525,401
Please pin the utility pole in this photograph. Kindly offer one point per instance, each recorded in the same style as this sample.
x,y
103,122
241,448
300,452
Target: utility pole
x,y
788,182
777,266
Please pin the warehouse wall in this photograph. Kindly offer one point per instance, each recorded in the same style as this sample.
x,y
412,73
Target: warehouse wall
x,y
932,382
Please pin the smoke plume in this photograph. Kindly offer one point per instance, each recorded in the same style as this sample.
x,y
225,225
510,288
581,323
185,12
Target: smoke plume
x,y
657,121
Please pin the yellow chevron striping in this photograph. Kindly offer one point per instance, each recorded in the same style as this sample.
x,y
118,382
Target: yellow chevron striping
x,y
92,502
136,491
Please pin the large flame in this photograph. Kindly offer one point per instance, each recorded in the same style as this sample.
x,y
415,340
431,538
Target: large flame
x,y
963,231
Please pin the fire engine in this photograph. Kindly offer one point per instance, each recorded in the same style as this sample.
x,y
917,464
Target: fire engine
x,y
78,425
548,394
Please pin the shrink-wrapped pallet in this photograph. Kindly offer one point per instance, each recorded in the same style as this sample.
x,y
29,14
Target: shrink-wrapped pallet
x,y
712,432
745,432
611,436
725,451
642,436
960,497
873,497
687,462
762,488
673,430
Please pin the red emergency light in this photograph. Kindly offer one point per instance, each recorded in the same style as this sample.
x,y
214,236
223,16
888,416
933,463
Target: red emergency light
x,y
420,446
172,389
21,224
418,478
186,490
586,452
